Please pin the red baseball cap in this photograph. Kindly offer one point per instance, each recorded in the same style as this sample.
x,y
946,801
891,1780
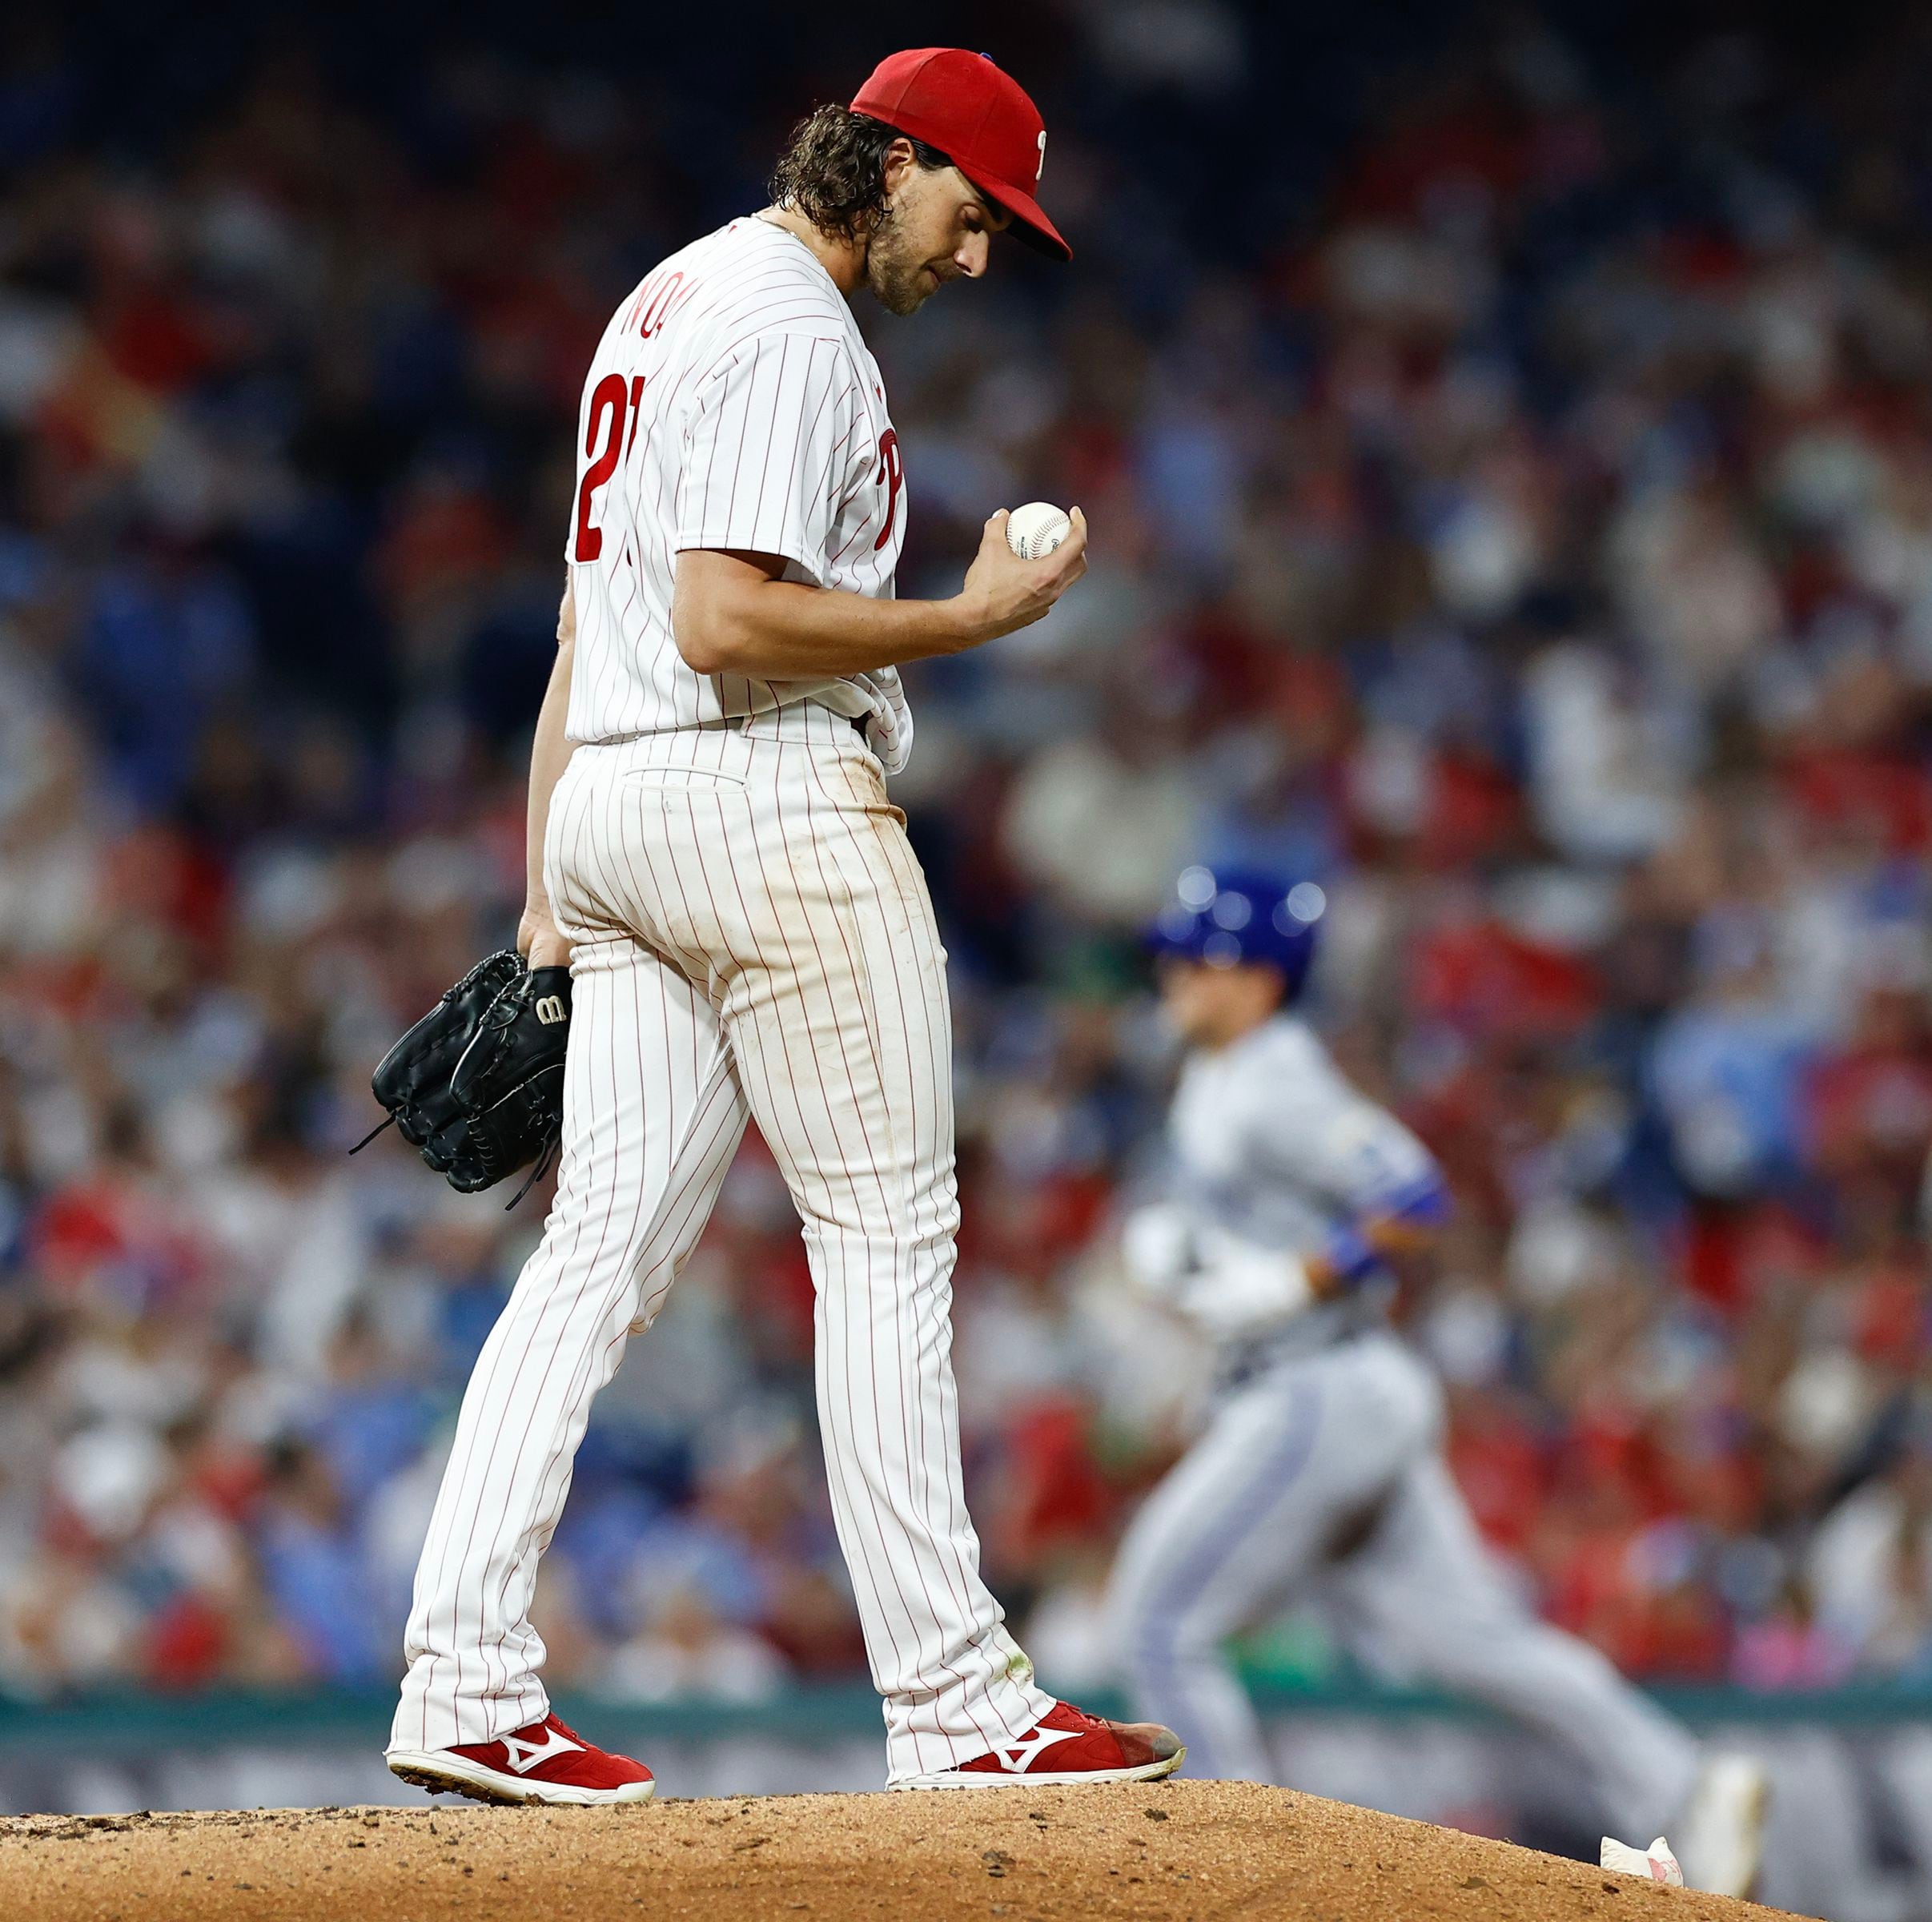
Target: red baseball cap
x,y
982,119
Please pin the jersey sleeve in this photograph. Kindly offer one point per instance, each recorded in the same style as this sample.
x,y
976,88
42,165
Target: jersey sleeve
x,y
768,443
1326,1135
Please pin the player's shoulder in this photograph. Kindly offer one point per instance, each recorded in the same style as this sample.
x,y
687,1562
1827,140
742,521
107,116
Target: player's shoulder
x,y
1288,1077
1286,1049
704,304
763,281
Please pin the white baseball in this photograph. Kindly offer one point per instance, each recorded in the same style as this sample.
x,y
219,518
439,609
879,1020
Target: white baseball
x,y
1033,531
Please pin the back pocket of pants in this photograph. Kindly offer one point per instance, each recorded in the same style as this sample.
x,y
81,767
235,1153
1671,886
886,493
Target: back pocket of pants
x,y
671,782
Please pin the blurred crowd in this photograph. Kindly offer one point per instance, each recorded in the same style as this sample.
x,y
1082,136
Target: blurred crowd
x,y
1526,533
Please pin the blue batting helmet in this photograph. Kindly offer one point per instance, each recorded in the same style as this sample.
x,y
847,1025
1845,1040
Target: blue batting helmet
x,y
1232,916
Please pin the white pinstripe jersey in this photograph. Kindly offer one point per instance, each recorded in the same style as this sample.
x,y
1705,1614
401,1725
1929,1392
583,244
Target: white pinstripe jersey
x,y
731,403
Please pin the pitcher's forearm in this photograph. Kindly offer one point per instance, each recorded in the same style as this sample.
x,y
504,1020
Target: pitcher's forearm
x,y
734,613
789,630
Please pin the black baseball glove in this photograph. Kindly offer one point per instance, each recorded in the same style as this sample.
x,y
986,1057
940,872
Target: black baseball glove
x,y
477,1085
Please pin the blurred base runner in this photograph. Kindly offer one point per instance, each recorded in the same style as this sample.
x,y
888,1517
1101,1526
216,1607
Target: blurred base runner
x,y
1318,1475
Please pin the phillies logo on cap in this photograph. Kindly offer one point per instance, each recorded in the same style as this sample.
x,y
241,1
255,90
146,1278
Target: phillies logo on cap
x,y
981,117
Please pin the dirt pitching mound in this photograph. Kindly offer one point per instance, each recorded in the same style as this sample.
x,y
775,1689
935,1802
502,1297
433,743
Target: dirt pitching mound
x,y
1175,1851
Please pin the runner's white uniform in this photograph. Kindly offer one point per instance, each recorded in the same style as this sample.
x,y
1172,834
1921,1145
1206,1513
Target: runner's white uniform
x,y
1319,1474
752,937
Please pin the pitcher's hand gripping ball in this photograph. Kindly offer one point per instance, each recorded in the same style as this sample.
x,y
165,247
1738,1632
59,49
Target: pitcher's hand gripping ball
x,y
1033,531
477,1085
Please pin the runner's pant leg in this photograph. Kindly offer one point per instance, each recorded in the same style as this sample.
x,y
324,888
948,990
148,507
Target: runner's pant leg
x,y
1289,1462
1432,1605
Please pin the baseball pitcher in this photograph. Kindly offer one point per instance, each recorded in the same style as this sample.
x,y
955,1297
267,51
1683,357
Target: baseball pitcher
x,y
748,933
1319,1469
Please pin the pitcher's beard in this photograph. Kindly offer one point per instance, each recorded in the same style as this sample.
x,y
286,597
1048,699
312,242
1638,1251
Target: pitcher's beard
x,y
900,281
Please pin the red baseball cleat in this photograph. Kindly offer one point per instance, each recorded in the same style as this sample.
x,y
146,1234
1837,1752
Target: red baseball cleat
x,y
1065,1747
543,1763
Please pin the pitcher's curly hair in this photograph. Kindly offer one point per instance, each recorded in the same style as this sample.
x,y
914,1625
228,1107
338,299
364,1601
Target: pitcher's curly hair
x,y
833,170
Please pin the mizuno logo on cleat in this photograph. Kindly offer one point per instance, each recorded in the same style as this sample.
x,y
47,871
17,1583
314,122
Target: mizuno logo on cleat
x,y
523,1756
1020,1758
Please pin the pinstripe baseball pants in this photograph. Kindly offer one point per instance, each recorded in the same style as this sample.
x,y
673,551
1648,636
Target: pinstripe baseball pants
x,y
753,938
